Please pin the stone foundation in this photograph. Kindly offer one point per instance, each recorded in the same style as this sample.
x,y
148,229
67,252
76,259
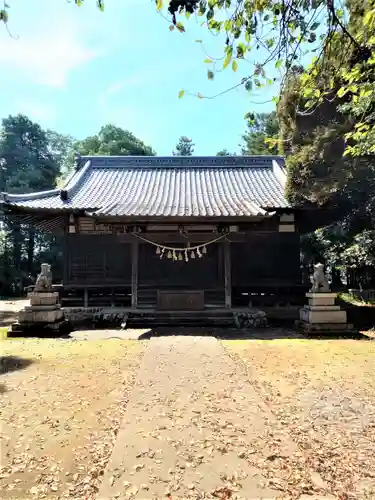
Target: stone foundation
x,y
321,315
43,316
250,319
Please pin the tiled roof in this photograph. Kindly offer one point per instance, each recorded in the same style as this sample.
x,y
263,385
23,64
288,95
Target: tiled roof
x,y
167,186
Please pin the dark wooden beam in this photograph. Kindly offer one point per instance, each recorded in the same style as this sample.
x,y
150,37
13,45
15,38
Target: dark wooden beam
x,y
135,254
227,275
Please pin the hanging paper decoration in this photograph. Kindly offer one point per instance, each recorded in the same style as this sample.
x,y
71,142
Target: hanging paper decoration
x,y
181,253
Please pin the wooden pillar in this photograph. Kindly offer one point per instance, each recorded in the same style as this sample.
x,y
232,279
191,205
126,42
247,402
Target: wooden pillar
x,y
135,251
227,275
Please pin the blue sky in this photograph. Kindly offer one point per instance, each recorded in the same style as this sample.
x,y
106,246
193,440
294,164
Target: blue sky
x,y
75,69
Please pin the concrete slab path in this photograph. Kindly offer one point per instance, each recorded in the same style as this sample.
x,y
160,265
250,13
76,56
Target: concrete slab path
x,y
194,428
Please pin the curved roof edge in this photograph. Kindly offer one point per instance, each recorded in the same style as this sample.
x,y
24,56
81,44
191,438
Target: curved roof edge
x,y
72,183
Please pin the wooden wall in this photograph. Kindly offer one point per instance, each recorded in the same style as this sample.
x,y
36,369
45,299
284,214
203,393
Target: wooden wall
x,y
266,258
200,273
96,260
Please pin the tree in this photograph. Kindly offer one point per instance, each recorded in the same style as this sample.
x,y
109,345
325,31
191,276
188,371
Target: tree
x,y
225,152
27,161
61,147
184,147
317,144
261,128
27,165
112,140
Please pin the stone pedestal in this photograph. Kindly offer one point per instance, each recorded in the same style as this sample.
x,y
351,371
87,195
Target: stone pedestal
x,y
43,314
321,315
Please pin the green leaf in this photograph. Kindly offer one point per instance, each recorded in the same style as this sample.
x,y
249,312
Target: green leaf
x,y
171,27
248,85
4,16
208,61
278,64
210,74
187,15
199,95
234,65
180,27
227,25
198,41
100,4
159,4
181,94
314,26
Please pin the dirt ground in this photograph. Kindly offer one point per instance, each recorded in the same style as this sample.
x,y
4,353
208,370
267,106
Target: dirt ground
x,y
323,392
61,406
62,402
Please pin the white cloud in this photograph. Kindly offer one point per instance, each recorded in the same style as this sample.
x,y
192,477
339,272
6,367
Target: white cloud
x,y
46,59
46,48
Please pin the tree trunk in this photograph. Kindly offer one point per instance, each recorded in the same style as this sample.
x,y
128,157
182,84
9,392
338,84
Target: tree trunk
x,y
30,251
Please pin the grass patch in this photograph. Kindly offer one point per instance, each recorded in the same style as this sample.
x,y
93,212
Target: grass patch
x,y
3,333
61,413
346,297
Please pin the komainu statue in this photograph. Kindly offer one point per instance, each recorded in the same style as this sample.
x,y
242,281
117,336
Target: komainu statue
x,y
44,280
319,280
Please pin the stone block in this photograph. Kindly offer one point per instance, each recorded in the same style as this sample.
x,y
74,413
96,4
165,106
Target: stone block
x,y
323,308
53,307
36,316
321,298
43,298
319,317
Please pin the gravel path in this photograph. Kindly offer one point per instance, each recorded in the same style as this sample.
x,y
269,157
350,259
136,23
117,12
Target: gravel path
x,y
194,428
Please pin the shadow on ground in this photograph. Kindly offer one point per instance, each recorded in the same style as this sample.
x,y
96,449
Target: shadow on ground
x,y
222,333
269,333
7,317
13,363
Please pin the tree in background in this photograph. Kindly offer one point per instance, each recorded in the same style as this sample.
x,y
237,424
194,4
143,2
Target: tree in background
x,y
34,160
27,165
112,140
328,163
184,147
27,162
61,147
225,152
261,127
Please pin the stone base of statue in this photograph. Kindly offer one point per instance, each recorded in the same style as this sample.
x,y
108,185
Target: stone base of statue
x,y
43,316
322,315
